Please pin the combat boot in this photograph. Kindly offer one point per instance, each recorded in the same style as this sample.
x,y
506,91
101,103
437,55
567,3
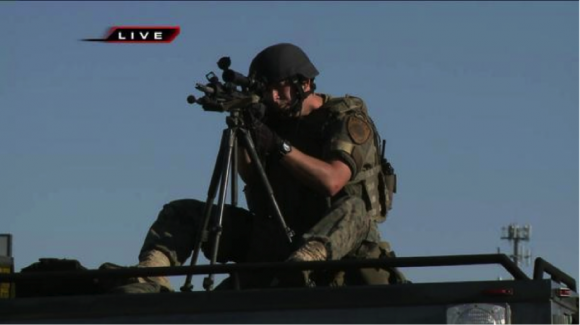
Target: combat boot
x,y
152,284
155,258
311,251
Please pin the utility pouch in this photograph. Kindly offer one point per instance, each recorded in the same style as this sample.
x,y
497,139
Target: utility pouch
x,y
387,186
390,181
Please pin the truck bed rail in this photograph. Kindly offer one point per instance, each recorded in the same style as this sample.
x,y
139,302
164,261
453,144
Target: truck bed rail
x,y
233,269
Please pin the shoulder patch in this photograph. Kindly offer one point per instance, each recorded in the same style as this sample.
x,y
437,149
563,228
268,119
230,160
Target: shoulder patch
x,y
358,129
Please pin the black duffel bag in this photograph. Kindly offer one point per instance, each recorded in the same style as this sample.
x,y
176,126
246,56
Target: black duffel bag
x,y
50,286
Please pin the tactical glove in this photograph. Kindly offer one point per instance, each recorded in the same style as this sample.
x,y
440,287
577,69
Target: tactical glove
x,y
254,112
266,141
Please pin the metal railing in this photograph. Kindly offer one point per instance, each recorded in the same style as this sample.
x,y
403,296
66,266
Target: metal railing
x,y
234,269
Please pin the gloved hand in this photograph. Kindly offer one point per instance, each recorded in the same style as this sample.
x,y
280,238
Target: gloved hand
x,y
266,141
254,112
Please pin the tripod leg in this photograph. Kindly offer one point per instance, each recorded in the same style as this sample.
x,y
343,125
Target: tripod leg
x,y
249,145
234,191
201,234
217,229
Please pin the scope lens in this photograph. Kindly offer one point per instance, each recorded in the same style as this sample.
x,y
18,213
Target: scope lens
x,y
224,63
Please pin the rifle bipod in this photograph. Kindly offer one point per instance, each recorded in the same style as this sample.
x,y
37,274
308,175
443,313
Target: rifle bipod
x,y
226,162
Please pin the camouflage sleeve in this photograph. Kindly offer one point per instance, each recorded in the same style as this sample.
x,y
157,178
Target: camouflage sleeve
x,y
347,140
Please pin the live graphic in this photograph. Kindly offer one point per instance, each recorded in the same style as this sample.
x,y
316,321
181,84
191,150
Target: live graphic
x,y
139,34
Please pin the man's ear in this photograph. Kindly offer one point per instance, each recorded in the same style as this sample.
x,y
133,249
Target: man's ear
x,y
306,84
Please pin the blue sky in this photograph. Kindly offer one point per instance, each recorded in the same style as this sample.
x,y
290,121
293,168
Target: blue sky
x,y
478,102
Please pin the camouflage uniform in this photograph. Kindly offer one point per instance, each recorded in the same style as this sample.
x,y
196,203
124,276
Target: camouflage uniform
x,y
346,223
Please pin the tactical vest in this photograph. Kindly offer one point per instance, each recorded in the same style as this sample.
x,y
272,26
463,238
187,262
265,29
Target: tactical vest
x,y
379,181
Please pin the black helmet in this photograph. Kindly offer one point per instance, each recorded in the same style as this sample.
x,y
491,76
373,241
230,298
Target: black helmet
x,y
281,61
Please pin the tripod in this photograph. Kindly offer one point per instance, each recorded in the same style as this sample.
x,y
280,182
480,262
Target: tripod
x,y
226,164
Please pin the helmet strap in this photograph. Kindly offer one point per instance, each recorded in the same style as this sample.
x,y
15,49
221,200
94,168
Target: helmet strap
x,y
296,107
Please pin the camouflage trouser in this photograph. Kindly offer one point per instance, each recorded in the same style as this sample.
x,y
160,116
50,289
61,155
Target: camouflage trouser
x,y
366,276
247,238
343,229
176,228
349,235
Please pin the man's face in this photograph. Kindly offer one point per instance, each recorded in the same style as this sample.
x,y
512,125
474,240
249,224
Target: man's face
x,y
279,96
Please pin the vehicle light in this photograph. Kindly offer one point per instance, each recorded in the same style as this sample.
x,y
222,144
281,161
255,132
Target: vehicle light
x,y
6,265
498,292
479,314
563,292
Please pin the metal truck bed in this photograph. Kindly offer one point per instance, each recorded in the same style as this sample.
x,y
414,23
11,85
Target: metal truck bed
x,y
522,300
